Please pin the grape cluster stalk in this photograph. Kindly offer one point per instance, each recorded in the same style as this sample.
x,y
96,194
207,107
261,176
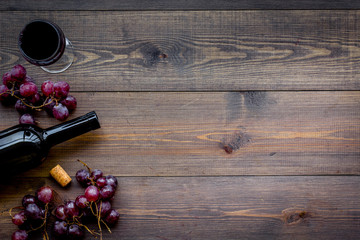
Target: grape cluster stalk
x,y
72,216
20,90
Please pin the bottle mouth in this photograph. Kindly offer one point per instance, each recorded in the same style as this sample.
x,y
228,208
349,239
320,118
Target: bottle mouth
x,y
93,118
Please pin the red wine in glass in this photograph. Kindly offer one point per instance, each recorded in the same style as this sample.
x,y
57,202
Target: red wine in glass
x,y
44,44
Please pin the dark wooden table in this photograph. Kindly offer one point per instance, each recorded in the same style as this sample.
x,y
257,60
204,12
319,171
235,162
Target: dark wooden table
x,y
220,119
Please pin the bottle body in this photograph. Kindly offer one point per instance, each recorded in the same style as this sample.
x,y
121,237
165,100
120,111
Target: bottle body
x,y
22,147
25,146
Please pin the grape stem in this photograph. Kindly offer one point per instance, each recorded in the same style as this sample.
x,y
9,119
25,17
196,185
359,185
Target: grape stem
x,y
45,235
37,108
99,223
108,228
76,221
44,223
89,169
10,211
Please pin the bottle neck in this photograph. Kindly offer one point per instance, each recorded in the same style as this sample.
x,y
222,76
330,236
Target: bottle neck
x,y
70,129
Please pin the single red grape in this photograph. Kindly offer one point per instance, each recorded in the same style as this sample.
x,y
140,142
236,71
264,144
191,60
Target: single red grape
x,y
82,176
18,73
34,99
60,212
19,235
47,88
96,174
27,119
107,192
7,79
60,112
28,89
111,180
71,209
3,92
45,194
69,102
60,228
87,213
21,107
27,199
32,211
81,202
92,193
19,218
75,232
101,182
112,217
61,89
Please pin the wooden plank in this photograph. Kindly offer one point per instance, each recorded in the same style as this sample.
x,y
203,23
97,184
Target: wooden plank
x,y
290,207
205,134
176,5
200,50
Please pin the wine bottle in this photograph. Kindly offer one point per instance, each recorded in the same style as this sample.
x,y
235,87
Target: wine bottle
x,y
26,146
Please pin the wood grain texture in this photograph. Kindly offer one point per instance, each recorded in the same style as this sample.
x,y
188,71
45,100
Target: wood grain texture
x,y
200,50
176,4
219,207
206,134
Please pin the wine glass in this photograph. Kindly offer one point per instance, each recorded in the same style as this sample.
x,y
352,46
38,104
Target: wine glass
x,y
44,44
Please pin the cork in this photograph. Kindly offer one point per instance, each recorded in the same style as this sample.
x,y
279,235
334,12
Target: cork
x,y
59,174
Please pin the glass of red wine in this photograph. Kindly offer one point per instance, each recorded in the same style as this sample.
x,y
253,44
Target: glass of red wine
x,y
44,44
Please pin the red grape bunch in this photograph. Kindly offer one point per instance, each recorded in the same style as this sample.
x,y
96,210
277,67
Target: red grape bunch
x,y
34,214
20,89
69,218
94,204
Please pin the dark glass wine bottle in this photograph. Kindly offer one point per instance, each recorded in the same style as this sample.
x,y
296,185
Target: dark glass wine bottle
x,y
25,146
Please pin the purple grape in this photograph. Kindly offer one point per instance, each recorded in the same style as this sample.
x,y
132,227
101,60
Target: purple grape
x,y
19,235
60,228
19,218
3,94
61,89
112,181
69,102
28,89
29,79
82,176
32,211
34,99
60,112
7,79
49,105
47,88
92,193
105,208
107,192
18,73
75,232
81,202
60,212
71,209
87,213
27,119
96,174
27,199
101,182
21,107
112,217
45,194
